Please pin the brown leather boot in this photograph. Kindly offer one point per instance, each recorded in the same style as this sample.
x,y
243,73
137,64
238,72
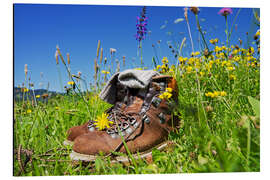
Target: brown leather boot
x,y
87,127
144,122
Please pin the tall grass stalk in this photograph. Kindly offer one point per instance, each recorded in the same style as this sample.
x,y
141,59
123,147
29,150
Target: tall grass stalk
x,y
80,93
200,30
189,31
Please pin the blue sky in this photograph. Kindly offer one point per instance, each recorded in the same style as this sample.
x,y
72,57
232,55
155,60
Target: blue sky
x,y
77,29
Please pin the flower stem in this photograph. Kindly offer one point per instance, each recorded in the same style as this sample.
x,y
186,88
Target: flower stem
x,y
200,30
140,46
189,32
227,40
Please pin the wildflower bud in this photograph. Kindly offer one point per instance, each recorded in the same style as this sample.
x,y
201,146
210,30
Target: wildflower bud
x,y
98,47
124,60
185,13
206,52
79,73
25,69
240,41
101,55
112,51
170,46
214,152
195,10
209,108
56,57
68,58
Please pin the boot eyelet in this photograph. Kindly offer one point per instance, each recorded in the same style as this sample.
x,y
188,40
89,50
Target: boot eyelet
x,y
110,131
156,101
125,126
91,128
146,119
162,118
114,135
129,130
136,124
132,121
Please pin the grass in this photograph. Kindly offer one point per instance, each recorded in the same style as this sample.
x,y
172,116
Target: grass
x,y
219,127
218,134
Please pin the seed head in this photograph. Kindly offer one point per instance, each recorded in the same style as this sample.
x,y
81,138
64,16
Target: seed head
x,y
124,60
101,55
98,48
25,69
56,57
185,13
68,58
195,10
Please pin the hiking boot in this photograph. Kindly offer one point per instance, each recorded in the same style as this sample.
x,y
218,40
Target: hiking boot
x,y
143,123
118,100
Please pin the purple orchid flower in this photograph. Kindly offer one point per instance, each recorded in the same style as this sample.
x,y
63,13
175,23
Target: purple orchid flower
x,y
141,26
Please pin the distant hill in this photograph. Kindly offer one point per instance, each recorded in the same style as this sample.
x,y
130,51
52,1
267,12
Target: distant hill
x,y
18,93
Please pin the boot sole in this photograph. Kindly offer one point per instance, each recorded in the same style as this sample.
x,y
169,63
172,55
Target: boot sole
x,y
88,158
68,143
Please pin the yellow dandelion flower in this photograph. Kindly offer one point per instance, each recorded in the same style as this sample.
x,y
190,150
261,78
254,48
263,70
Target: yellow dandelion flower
x,y
217,61
165,95
28,111
235,52
57,108
169,90
25,90
161,96
165,60
202,73
223,93
236,58
218,49
70,83
224,47
163,66
195,53
232,77
37,96
102,122
189,69
223,63
158,67
211,94
216,93
105,72
230,68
